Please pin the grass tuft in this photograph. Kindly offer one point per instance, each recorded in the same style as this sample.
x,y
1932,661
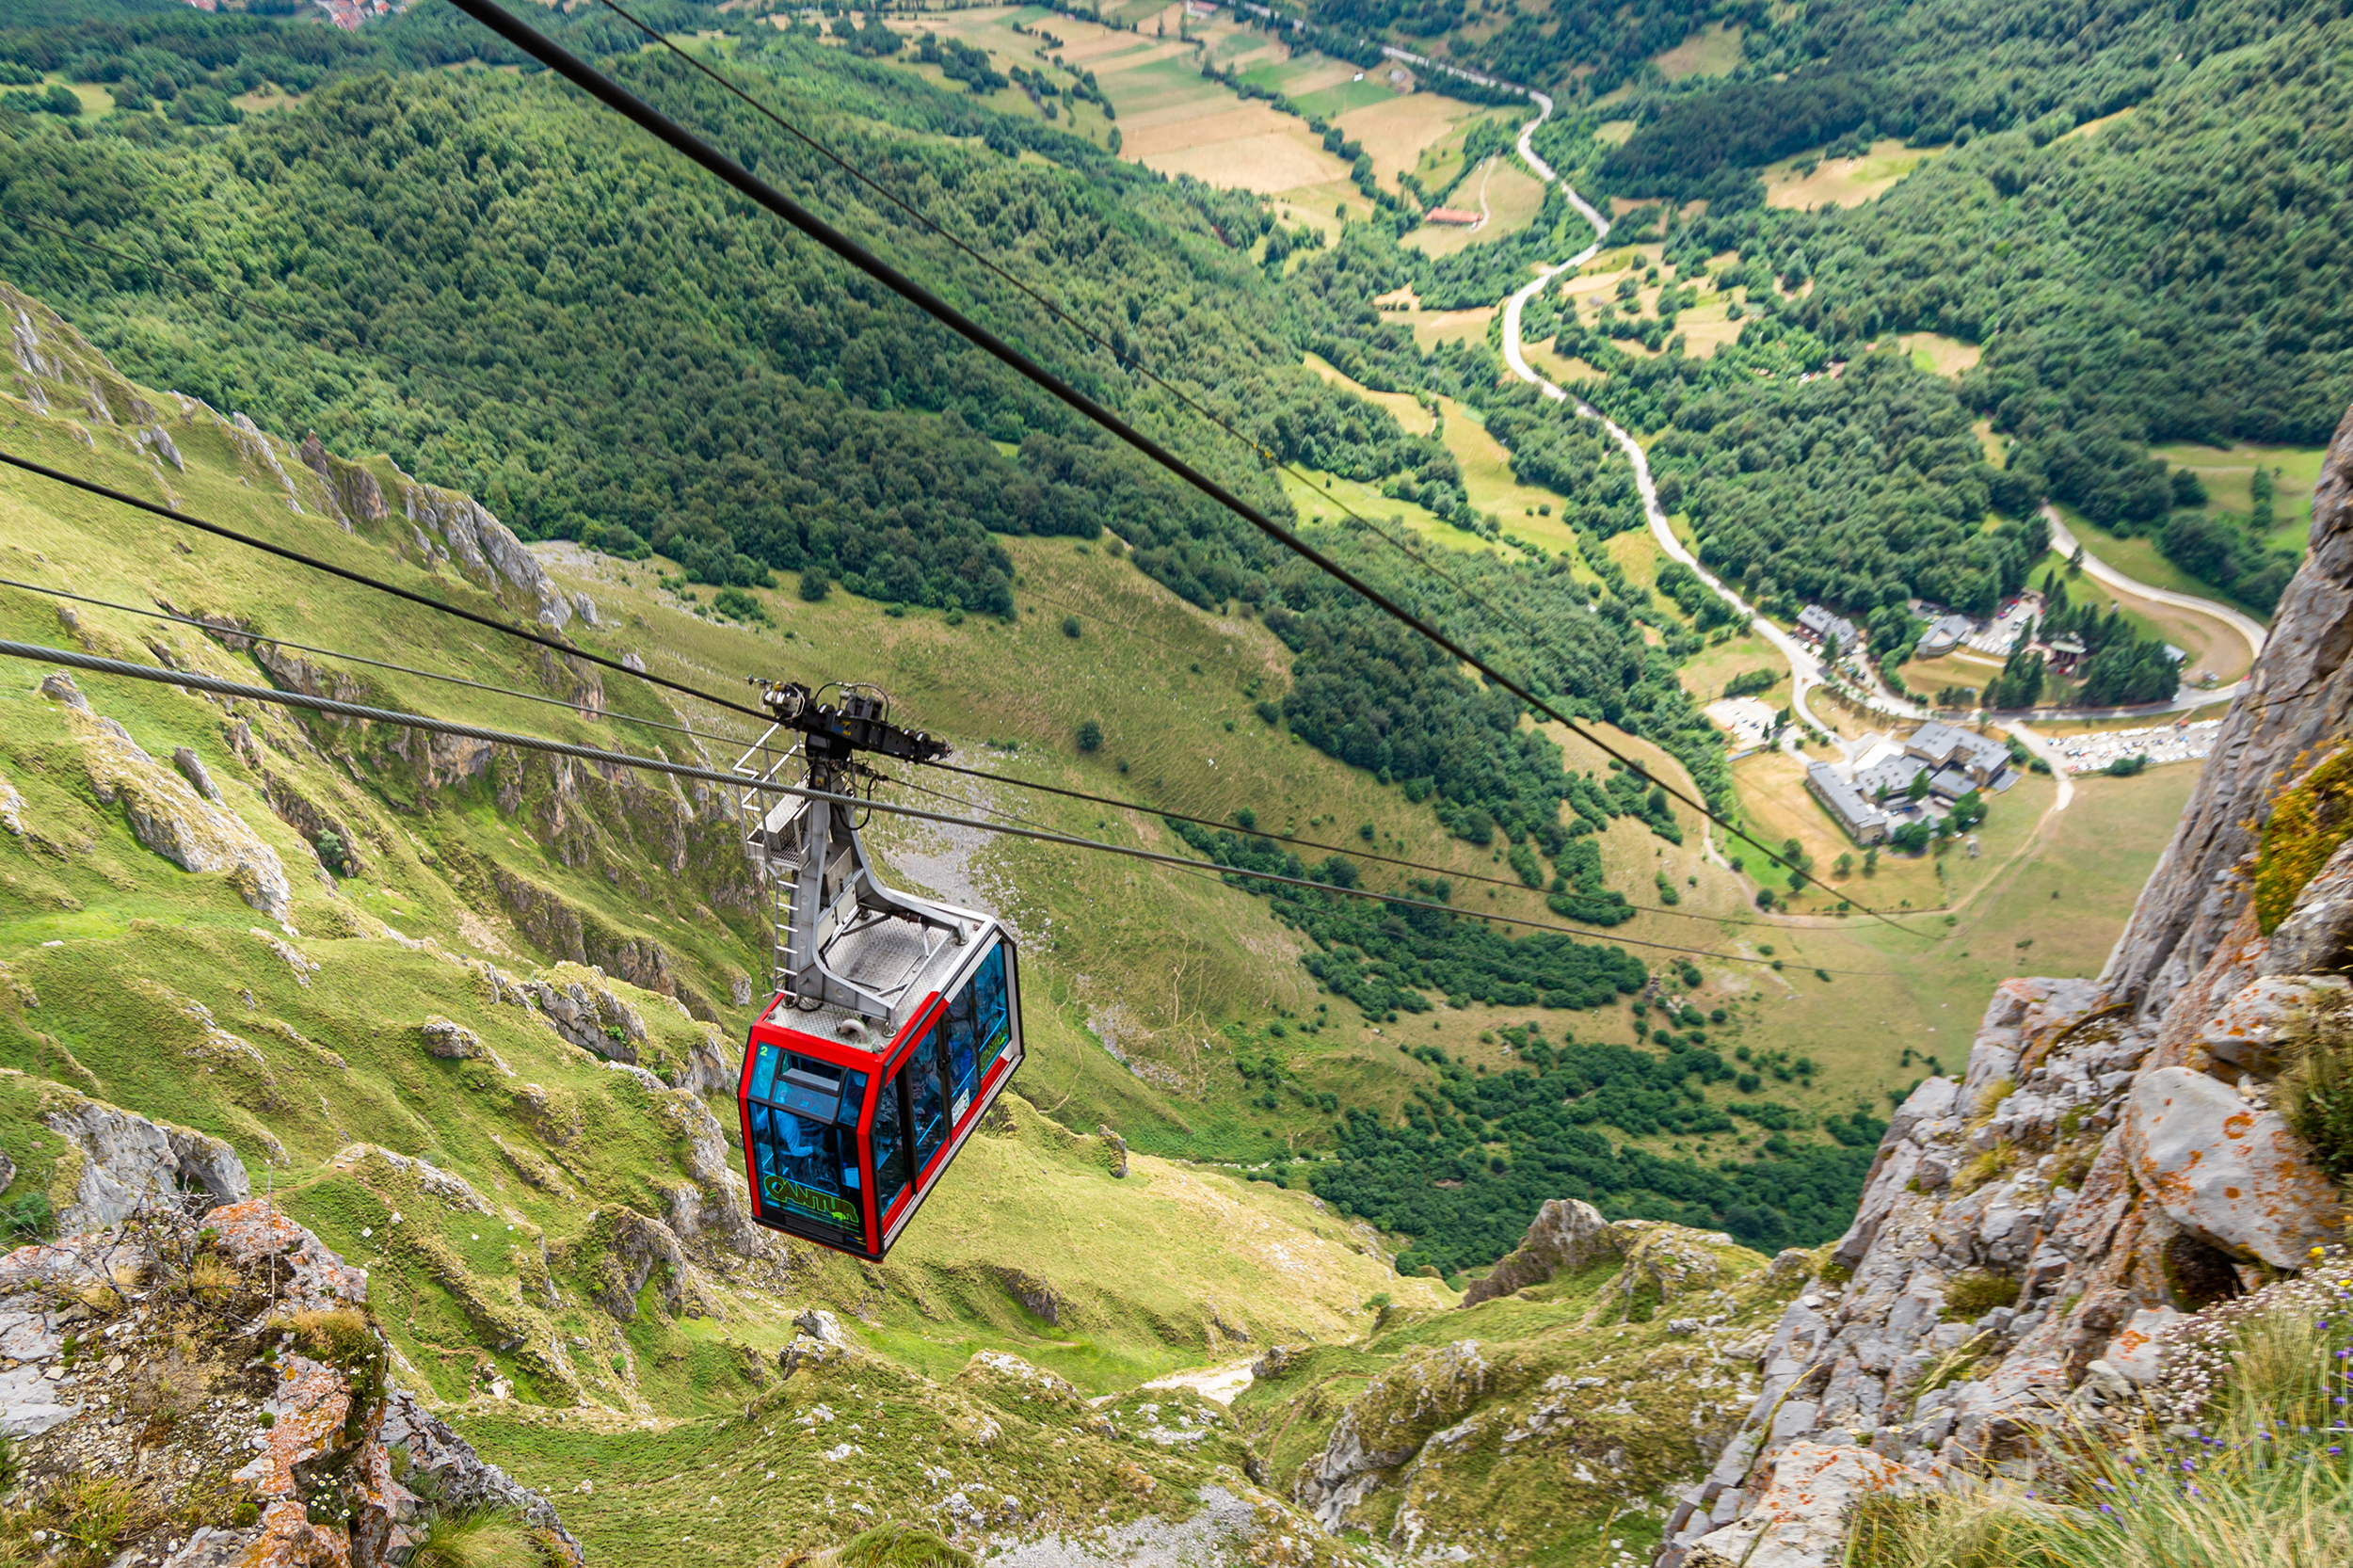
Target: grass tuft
x,y
1972,1295
901,1546
475,1538
2315,1089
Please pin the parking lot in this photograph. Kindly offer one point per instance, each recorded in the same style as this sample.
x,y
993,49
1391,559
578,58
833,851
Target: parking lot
x,y
2160,743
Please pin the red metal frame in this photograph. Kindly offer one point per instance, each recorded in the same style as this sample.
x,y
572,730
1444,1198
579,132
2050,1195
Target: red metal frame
x,y
878,1067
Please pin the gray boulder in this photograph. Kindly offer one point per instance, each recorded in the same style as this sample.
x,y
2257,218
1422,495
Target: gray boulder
x,y
2247,1033
192,768
2226,1171
456,1476
2317,937
129,1163
1800,1520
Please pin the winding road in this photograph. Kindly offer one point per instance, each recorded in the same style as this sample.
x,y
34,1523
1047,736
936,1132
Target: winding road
x,y
1805,668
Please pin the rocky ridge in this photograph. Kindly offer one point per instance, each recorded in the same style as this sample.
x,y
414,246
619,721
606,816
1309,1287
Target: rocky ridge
x,y
2108,1164
196,1369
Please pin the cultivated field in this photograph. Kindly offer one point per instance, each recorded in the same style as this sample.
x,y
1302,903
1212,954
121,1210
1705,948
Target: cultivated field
x,y
1397,131
1171,118
1843,182
1562,370
1713,51
1507,193
1940,355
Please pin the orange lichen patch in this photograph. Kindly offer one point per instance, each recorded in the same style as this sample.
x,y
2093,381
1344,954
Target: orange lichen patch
x,y
314,1279
289,1540
308,1417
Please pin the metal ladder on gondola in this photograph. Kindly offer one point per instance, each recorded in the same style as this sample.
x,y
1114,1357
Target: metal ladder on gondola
x,y
820,881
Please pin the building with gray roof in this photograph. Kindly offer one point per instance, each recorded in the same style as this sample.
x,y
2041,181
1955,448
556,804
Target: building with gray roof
x,y
1946,745
1821,625
1864,824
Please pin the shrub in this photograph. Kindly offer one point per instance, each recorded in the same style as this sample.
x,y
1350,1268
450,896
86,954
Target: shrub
x,y
815,584
1972,1295
1090,736
1070,626
2308,823
736,604
2316,1090
901,1546
26,1219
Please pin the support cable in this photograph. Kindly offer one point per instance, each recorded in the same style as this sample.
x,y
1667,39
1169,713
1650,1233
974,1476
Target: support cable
x,y
663,128
190,681
126,499
202,625
1513,883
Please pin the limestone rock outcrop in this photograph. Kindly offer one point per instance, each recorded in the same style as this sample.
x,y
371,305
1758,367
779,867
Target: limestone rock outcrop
x,y
338,1465
1801,1517
2107,1166
127,1163
165,812
1567,1234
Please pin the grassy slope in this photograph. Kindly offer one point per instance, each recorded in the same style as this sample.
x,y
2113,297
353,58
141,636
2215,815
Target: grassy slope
x,y
300,1043
321,1057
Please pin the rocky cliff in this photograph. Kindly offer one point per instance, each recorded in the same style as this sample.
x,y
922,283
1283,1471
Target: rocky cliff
x,y
2110,1164
190,1378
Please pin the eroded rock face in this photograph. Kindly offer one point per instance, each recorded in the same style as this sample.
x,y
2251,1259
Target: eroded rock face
x,y
129,1163
2225,1171
2108,1155
1567,1234
1802,1517
165,813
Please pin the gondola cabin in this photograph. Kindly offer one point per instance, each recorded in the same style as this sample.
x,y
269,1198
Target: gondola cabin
x,y
847,1125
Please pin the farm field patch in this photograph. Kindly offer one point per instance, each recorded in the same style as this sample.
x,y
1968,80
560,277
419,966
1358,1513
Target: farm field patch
x,y
1319,500
1843,182
1508,193
1713,51
1940,355
1397,131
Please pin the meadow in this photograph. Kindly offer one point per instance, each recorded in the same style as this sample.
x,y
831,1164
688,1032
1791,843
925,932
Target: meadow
x,y
1843,182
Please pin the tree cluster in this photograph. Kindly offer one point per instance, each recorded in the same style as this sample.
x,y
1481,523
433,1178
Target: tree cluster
x,y
1436,1176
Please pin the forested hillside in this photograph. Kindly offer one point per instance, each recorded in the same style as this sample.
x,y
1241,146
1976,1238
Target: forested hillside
x,y
2169,274
506,291
556,317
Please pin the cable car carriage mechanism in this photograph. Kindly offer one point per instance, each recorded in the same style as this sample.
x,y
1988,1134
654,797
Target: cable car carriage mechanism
x,y
894,1020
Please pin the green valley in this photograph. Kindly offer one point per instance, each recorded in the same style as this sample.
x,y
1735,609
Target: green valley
x,y
1315,1229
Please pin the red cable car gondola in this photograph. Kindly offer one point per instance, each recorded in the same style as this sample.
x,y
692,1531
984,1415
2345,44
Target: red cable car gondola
x,y
895,1020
